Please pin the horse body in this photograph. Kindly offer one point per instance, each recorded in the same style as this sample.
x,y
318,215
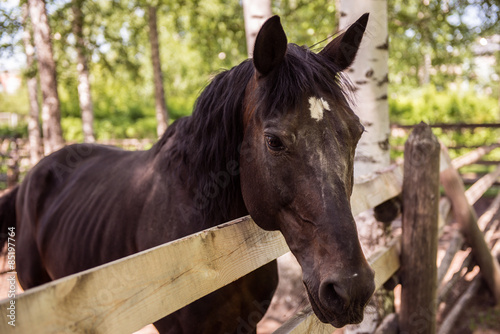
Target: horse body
x,y
91,203
274,138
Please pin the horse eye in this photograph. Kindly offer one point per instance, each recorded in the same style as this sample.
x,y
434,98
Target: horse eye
x,y
274,143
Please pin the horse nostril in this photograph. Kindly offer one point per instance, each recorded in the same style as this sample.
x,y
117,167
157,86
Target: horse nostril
x,y
334,296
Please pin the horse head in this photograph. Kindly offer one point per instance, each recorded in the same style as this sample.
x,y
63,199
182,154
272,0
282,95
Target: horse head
x,y
297,164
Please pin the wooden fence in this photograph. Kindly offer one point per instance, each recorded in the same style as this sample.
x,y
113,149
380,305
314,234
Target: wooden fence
x,y
127,294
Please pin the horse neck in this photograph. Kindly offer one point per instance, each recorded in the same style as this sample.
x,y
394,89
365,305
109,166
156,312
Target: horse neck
x,y
201,153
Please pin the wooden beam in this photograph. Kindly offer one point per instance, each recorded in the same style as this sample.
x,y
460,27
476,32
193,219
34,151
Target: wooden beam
x,y
458,308
124,295
420,232
376,188
452,126
473,156
467,220
457,242
474,193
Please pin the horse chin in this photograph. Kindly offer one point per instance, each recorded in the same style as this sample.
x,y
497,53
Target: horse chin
x,y
336,320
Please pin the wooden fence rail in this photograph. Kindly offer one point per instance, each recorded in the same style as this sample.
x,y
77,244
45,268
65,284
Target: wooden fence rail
x,y
127,294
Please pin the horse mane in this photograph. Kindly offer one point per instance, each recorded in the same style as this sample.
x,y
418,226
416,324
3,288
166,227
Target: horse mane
x,y
210,139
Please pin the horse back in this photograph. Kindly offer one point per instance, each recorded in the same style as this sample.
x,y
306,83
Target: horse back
x,y
79,207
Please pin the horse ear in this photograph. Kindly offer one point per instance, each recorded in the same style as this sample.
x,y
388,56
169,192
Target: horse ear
x,y
343,49
270,46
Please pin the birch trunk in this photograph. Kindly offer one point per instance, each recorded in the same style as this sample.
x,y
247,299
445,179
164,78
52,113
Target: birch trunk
x,y
84,95
35,138
369,74
426,69
51,111
160,103
255,13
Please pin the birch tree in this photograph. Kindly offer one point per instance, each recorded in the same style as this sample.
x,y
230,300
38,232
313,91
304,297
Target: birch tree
x,y
35,139
51,110
369,74
255,13
84,95
160,103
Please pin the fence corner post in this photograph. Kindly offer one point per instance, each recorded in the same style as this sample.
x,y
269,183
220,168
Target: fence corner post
x,y
420,232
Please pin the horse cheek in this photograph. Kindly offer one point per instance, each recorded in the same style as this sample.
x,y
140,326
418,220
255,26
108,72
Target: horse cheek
x,y
255,188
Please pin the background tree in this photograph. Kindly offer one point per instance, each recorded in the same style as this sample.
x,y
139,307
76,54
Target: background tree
x,y
369,74
84,94
35,139
255,12
199,38
51,114
160,104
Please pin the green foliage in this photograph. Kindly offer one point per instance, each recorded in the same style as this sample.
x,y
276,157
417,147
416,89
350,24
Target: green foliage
x,y
9,26
16,102
307,22
432,106
9,132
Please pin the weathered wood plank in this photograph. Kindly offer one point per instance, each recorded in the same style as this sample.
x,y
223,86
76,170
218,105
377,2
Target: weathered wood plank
x,y
457,239
376,189
420,232
473,156
452,126
448,324
478,189
467,220
127,294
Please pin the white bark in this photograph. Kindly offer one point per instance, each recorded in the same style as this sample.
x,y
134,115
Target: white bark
x,y
426,68
51,111
84,95
255,12
369,74
160,102
35,138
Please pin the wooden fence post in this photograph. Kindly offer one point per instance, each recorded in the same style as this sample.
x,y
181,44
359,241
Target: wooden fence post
x,y
420,232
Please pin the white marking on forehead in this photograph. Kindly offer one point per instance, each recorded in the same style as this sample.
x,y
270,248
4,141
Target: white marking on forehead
x,y
317,107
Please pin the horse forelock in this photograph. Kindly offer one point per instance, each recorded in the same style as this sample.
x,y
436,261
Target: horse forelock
x,y
302,74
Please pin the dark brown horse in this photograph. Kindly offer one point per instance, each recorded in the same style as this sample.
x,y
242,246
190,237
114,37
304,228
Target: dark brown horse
x,y
273,138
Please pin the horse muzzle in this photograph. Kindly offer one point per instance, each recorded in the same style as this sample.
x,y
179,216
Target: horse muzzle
x,y
341,300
